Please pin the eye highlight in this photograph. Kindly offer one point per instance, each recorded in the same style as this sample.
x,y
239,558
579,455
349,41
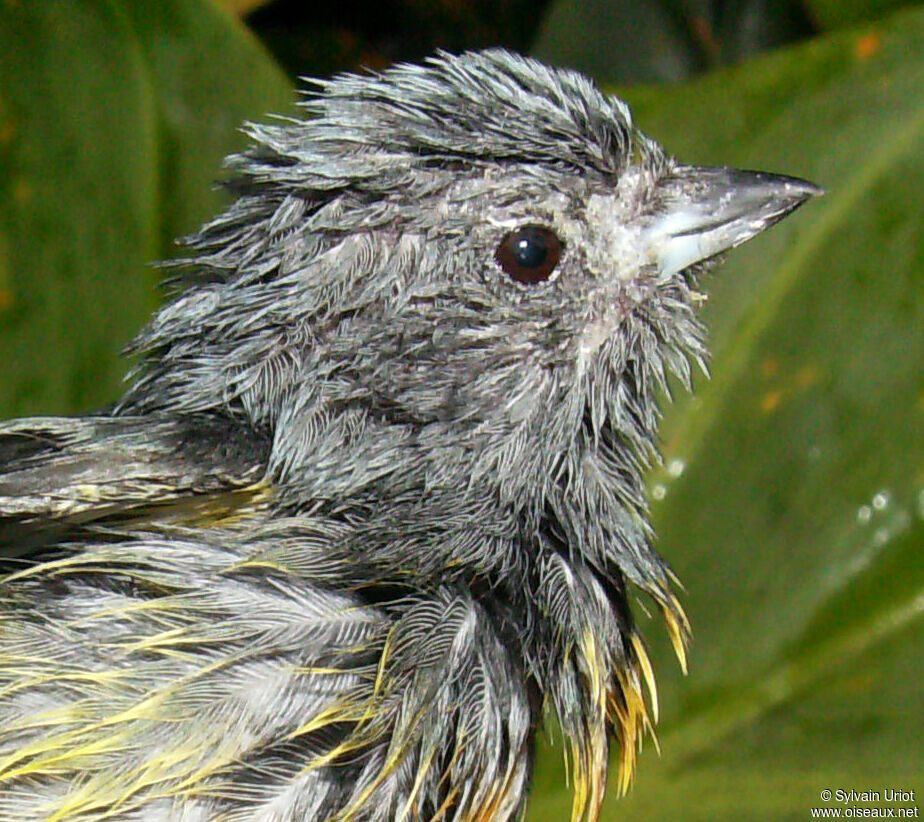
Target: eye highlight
x,y
529,254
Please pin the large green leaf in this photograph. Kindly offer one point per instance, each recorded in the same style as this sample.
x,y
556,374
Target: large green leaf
x,y
114,117
790,502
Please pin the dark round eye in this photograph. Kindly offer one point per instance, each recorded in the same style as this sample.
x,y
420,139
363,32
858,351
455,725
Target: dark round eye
x,y
529,254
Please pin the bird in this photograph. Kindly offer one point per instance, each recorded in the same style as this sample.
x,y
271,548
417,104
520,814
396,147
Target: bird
x,y
371,512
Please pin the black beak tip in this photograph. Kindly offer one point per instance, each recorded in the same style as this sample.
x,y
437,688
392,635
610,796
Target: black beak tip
x,y
790,192
809,189
794,187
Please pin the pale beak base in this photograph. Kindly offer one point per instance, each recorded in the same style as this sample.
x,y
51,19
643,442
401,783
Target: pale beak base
x,y
709,210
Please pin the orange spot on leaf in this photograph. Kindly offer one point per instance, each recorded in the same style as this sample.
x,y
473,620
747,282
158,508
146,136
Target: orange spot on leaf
x,y
770,401
770,366
22,191
867,46
7,132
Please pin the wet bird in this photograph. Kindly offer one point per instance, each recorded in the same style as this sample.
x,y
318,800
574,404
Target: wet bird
x,y
372,507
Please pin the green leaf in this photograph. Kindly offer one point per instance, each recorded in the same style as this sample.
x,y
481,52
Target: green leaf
x,y
114,117
790,502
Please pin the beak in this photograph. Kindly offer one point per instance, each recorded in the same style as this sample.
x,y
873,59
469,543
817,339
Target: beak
x,y
709,210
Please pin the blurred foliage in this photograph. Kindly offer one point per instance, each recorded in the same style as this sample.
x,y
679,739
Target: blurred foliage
x,y
790,501
110,143
312,39
832,14
618,41
622,41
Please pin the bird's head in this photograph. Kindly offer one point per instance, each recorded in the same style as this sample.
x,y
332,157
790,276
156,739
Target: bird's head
x,y
471,273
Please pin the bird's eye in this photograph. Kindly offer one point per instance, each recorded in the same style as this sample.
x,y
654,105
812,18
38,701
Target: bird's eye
x,y
529,254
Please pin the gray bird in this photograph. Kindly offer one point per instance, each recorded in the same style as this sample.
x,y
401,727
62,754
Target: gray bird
x,y
373,505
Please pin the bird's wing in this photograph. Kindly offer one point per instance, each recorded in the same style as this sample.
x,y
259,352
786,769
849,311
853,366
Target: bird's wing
x,y
59,473
209,674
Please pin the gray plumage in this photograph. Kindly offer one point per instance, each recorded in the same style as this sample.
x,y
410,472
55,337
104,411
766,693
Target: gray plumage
x,y
370,506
